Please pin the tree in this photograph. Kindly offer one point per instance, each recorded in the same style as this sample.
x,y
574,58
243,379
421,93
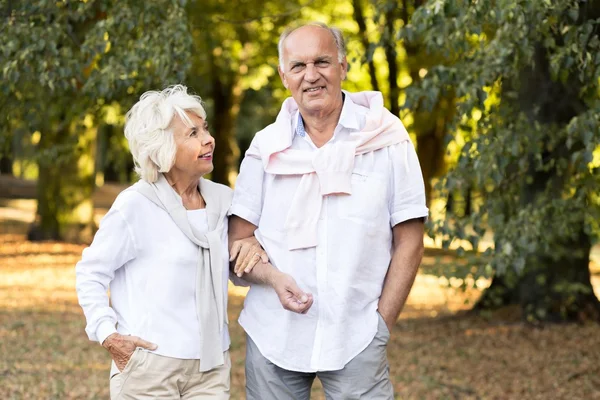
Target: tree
x,y
63,63
407,61
235,50
530,72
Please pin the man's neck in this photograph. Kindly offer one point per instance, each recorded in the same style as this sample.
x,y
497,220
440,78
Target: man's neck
x,y
320,126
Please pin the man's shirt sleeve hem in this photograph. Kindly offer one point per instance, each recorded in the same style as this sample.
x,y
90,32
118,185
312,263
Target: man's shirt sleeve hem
x,y
409,213
244,213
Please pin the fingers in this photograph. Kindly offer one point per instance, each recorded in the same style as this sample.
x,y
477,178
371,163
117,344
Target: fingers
x,y
292,297
254,259
250,255
292,304
247,253
263,256
242,255
304,307
235,249
308,304
143,343
299,295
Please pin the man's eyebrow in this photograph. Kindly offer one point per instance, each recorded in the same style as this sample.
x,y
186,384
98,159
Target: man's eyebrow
x,y
323,58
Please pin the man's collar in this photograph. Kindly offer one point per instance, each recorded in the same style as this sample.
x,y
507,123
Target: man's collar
x,y
347,117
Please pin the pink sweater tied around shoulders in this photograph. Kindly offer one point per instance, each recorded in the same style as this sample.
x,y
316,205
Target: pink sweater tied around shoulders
x,y
326,171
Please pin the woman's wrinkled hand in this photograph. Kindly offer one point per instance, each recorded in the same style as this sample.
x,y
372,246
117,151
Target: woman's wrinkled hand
x,y
246,253
121,348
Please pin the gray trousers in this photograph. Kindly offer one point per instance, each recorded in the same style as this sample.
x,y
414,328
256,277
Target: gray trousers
x,y
366,376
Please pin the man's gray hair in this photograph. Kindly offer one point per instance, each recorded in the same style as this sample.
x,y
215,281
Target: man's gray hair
x,y
340,43
147,128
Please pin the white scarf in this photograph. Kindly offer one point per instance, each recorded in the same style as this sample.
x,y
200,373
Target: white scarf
x,y
210,299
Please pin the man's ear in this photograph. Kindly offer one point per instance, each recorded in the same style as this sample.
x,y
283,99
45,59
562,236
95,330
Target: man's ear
x,y
282,76
344,65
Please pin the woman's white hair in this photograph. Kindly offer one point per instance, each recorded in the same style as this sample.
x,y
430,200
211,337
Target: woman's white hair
x,y
147,128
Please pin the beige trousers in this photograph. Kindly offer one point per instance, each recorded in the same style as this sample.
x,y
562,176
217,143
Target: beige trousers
x,y
150,376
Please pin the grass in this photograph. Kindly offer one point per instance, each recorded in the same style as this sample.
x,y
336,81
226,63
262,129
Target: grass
x,y
433,353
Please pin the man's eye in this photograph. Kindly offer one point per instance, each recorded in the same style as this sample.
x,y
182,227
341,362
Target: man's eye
x,y
322,62
193,133
297,67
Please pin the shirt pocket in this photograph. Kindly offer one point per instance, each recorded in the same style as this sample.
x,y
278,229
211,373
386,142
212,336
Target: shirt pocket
x,y
367,205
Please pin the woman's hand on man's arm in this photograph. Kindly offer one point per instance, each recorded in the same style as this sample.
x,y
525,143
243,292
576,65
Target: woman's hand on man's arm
x,y
246,253
241,235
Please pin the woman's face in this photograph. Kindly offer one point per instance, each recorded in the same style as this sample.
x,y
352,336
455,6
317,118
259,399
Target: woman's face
x,y
195,146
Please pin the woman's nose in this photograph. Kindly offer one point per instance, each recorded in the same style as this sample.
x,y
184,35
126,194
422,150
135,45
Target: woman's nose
x,y
208,139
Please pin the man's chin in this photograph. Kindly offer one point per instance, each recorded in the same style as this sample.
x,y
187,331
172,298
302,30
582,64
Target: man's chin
x,y
314,105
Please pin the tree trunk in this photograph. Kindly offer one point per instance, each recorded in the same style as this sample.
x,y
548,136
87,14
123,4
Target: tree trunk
x,y
430,150
550,288
6,165
65,185
389,46
6,155
499,294
226,109
359,17
431,129
555,290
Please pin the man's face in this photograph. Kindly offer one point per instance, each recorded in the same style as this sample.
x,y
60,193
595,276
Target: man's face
x,y
311,70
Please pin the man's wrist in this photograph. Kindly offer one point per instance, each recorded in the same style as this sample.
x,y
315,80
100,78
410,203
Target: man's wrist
x,y
272,276
383,312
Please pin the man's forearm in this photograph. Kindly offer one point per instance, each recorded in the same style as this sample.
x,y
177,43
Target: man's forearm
x,y
401,274
261,274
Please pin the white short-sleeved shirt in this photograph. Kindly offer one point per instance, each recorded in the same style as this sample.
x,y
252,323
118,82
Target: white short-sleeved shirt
x,y
151,268
346,270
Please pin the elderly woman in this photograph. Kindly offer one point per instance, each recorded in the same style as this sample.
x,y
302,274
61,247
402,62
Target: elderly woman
x,y
162,249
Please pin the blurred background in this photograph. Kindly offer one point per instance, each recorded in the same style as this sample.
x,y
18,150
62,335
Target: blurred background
x,y
501,99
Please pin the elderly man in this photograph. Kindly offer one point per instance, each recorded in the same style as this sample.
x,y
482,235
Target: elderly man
x,y
334,193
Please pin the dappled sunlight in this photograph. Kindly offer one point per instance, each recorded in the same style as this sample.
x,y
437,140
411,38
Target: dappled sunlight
x,y
43,275
433,354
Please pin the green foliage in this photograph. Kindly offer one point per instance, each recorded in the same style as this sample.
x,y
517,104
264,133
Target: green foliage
x,y
62,64
63,60
83,49
532,69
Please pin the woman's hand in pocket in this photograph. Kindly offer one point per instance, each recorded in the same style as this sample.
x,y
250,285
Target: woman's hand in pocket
x,y
121,348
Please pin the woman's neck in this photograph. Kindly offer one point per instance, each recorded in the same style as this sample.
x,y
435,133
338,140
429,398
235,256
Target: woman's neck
x,y
187,187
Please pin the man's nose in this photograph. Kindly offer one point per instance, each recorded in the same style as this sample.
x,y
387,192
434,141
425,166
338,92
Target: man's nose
x,y
311,74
